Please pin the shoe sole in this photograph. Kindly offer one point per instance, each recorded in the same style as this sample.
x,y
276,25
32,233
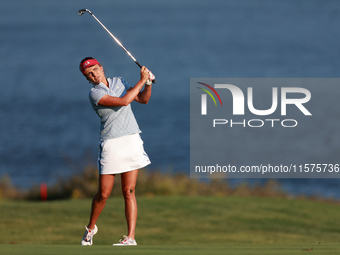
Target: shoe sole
x,y
86,244
124,244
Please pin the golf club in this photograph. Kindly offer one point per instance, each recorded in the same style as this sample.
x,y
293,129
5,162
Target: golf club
x,y
82,11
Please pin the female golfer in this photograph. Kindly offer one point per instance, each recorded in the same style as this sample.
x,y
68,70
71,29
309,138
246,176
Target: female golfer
x,y
120,146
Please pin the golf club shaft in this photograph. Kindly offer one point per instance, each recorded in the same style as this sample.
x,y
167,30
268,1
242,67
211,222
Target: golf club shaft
x,y
80,12
117,41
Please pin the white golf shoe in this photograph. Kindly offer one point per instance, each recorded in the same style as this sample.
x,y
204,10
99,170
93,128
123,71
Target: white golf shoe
x,y
125,240
88,236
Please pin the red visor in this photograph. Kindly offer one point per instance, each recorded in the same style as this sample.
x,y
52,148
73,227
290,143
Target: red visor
x,y
88,63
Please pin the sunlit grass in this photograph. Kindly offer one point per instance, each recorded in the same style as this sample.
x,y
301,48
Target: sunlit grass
x,y
177,220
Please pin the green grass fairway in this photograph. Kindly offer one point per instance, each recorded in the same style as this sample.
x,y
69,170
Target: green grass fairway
x,y
246,249
185,225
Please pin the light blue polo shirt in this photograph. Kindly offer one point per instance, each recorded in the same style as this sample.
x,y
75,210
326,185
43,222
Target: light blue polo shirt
x,y
116,121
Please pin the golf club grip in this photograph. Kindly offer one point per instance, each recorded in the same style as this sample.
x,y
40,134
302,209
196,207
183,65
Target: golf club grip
x,y
140,66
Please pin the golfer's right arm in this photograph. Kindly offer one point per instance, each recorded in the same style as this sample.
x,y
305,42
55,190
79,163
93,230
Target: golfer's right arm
x,y
129,96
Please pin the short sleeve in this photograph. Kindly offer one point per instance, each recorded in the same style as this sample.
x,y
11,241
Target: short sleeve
x,y
125,83
96,94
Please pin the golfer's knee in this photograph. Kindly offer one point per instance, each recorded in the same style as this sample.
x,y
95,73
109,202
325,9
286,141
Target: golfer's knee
x,y
129,192
102,195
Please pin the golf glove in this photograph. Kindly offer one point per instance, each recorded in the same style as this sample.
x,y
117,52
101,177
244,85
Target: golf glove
x,y
151,77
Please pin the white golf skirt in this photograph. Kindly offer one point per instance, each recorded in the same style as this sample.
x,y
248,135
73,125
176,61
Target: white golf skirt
x,y
121,155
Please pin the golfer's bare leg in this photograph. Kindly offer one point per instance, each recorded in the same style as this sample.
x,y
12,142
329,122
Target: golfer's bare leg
x,y
99,200
128,188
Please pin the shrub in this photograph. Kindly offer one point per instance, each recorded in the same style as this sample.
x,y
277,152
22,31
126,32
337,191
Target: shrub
x,y
149,183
